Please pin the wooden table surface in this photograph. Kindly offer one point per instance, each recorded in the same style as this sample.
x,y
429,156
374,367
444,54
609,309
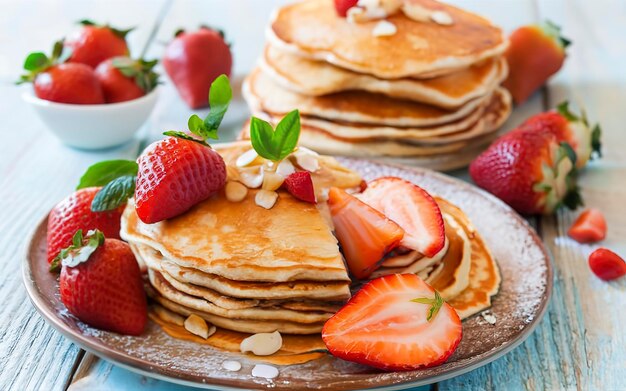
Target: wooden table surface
x,y
581,342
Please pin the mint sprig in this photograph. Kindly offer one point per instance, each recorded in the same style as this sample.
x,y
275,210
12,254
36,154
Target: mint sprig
x,y
275,144
435,305
220,95
79,251
118,178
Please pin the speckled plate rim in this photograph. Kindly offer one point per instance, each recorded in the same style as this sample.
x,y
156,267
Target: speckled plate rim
x,y
138,366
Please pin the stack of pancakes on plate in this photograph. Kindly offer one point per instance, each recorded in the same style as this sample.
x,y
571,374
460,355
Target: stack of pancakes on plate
x,y
429,89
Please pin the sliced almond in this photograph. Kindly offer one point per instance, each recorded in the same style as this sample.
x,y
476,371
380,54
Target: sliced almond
x,y
416,12
266,198
168,316
285,168
235,191
272,180
252,177
384,29
247,158
262,344
307,159
198,326
442,18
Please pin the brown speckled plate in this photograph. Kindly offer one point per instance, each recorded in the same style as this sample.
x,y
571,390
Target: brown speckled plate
x,y
523,298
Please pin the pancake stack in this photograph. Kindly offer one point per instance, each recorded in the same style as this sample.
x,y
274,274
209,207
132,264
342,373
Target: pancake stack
x,y
428,90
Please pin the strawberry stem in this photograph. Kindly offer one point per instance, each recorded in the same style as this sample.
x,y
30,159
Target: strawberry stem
x,y
435,305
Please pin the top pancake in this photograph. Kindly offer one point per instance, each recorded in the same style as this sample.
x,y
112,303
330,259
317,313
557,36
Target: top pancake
x,y
313,29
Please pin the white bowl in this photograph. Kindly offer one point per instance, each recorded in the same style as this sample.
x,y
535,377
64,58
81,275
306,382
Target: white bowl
x,y
94,126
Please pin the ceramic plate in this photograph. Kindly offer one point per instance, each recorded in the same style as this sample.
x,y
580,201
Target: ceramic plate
x,y
526,285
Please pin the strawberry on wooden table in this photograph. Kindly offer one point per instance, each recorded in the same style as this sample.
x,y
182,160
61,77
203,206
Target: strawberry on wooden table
x,y
606,264
589,227
570,128
412,208
57,81
395,323
123,78
534,54
94,43
531,171
364,233
101,284
193,60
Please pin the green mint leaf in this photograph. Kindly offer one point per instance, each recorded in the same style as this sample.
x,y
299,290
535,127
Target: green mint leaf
x,y
435,305
261,135
195,123
104,172
287,133
114,194
36,61
184,136
220,96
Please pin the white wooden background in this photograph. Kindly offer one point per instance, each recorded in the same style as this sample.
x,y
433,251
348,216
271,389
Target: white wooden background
x,y
579,345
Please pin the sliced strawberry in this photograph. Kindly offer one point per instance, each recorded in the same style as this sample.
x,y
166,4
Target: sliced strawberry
x,y
589,227
606,264
365,234
342,6
300,185
396,322
412,208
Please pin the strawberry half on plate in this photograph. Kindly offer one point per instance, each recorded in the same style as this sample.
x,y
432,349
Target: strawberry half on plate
x,y
395,323
412,208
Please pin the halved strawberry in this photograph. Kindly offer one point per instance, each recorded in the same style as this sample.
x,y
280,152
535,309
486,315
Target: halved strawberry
x,y
365,234
342,6
589,227
396,322
606,264
300,185
412,208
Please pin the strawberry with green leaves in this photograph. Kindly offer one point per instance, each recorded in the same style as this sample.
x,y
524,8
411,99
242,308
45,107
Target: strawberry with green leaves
x,y
58,81
94,43
101,284
123,78
173,174
570,128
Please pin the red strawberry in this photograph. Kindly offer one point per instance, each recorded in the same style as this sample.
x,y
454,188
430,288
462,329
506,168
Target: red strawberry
x,y
365,234
73,214
101,284
342,6
123,78
395,323
300,185
193,60
530,171
174,175
412,208
606,264
570,128
535,53
589,227
92,43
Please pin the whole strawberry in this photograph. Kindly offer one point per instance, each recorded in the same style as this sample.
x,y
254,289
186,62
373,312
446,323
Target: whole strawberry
x,y
570,128
530,171
61,82
101,284
195,59
74,213
123,78
93,43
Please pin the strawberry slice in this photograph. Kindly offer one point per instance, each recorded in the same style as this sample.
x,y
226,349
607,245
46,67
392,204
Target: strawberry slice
x,y
589,227
300,185
395,323
342,6
606,264
412,208
365,234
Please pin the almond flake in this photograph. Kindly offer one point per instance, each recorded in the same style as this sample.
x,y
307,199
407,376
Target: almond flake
x,y
307,159
246,158
416,12
384,29
252,177
272,180
266,198
441,17
262,344
198,326
285,168
235,191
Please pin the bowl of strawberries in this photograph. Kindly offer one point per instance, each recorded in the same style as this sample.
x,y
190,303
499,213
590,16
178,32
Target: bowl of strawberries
x,y
89,92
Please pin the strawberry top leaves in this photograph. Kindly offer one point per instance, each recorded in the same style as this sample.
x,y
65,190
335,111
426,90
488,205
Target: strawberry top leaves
x,y
38,62
275,145
141,71
79,251
119,32
435,305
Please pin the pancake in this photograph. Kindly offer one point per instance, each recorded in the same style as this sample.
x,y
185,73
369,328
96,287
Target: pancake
x,y
313,29
315,78
263,94
255,313
243,242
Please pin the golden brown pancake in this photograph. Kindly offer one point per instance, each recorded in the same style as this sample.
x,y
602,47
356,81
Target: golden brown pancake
x,y
315,78
313,29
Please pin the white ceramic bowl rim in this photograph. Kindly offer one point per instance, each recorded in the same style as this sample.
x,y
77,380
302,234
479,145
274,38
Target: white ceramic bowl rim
x,y
30,97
